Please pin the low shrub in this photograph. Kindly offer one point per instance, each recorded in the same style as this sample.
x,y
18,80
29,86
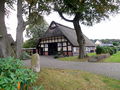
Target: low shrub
x,y
111,51
104,50
114,49
118,48
99,50
56,56
13,75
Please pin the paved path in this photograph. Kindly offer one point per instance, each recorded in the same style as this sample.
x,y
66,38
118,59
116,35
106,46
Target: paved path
x,y
107,69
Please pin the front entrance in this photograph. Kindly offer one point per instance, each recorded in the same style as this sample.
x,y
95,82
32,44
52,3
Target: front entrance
x,y
52,48
41,51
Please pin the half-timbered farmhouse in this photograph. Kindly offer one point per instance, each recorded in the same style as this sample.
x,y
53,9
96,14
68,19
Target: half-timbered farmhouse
x,y
61,39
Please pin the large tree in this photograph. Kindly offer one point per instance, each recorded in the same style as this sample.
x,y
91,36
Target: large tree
x,y
32,10
5,46
34,32
86,12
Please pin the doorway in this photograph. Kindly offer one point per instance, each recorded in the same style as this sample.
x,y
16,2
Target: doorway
x,y
52,48
41,51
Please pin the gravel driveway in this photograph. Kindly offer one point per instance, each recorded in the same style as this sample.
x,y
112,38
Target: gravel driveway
x,y
107,69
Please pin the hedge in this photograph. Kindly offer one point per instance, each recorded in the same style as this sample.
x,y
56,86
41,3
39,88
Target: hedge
x,y
105,49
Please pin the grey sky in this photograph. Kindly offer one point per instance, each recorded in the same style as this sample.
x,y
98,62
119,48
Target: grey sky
x,y
109,29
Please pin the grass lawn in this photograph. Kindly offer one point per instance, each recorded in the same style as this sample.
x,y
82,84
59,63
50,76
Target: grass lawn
x,y
70,58
113,58
91,54
57,79
75,58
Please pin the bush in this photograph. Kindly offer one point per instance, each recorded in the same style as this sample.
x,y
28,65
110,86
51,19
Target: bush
x,y
118,48
12,72
111,51
56,56
104,50
115,50
99,50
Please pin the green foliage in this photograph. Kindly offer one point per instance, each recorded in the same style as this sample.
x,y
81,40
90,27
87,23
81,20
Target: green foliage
x,y
111,51
91,54
24,56
98,50
118,48
37,24
38,87
12,72
102,50
115,43
88,11
114,58
31,43
56,56
34,9
36,31
114,49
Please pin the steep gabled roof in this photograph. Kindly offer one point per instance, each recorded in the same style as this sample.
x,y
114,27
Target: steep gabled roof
x,y
53,31
56,29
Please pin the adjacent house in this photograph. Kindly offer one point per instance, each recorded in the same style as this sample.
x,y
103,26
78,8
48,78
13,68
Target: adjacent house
x,y
99,43
61,39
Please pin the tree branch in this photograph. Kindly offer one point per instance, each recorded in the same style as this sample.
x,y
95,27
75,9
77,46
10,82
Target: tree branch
x,y
61,15
77,16
26,23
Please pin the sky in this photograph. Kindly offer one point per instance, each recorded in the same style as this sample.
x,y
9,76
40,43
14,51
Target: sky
x,y
108,29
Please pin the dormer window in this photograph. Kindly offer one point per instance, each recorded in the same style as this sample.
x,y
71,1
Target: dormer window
x,y
53,26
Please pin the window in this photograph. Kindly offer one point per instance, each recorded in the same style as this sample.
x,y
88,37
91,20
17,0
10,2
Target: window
x,y
55,40
64,44
69,48
42,41
46,49
64,48
52,39
68,43
47,40
59,48
42,45
74,49
63,39
59,44
53,26
59,40
46,45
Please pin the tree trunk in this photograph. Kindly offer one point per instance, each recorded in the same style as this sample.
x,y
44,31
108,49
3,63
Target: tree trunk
x,y
5,47
80,38
20,28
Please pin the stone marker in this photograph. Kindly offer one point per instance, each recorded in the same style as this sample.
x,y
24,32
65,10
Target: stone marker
x,y
35,62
